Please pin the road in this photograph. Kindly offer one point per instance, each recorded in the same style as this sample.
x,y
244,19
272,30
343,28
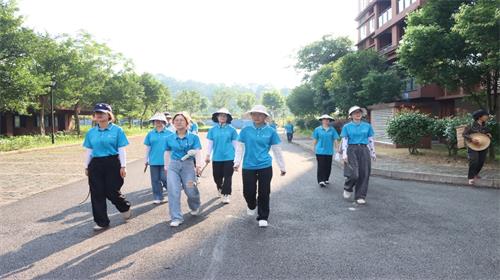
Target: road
x,y
407,230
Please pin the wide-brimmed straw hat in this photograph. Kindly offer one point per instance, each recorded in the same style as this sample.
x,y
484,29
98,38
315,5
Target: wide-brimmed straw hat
x,y
158,117
259,109
356,108
484,142
325,116
222,111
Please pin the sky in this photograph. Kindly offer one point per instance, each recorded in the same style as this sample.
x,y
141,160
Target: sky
x,y
214,41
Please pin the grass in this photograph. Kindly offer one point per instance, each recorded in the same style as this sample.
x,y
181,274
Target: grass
x,y
36,141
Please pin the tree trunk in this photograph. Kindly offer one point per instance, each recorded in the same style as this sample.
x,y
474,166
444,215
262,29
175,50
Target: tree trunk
x,y
143,114
76,114
129,122
495,109
42,115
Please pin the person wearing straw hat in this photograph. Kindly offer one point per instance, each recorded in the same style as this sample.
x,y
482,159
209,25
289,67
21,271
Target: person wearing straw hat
x,y
155,142
324,142
477,137
105,165
169,124
222,141
253,150
180,150
358,147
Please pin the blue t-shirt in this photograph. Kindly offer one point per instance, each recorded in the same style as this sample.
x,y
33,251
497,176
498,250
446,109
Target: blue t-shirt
x,y
258,141
180,146
222,137
289,128
357,133
193,128
325,139
274,126
105,142
157,141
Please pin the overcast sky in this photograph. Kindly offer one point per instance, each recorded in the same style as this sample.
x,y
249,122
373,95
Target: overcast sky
x,y
218,41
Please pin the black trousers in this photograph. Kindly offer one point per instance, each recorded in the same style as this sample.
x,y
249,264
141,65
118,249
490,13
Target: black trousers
x,y
262,177
223,175
476,161
324,167
105,182
289,137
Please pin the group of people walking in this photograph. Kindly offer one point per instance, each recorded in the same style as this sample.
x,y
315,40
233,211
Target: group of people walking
x,y
174,156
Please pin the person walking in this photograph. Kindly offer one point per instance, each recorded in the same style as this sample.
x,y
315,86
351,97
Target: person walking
x,y
222,140
155,142
289,129
255,142
169,124
358,146
325,144
105,165
477,152
180,150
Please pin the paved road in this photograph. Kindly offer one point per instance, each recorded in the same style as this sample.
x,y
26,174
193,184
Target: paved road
x,y
406,231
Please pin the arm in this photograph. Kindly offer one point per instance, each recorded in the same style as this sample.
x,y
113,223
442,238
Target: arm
x,y
210,144
87,157
146,158
240,151
198,158
345,143
122,155
467,132
166,159
371,147
278,155
314,144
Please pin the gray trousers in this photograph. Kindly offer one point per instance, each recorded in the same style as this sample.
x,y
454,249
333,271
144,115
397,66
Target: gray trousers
x,y
357,170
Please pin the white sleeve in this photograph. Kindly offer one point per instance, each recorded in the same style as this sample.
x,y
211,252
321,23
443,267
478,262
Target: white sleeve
x,y
345,143
198,158
88,157
235,144
146,158
166,159
122,155
210,145
240,150
278,155
371,146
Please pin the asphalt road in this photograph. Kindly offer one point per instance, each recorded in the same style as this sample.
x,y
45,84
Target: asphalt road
x,y
407,230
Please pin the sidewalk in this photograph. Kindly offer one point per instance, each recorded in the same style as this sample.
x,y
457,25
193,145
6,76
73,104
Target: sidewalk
x,y
386,166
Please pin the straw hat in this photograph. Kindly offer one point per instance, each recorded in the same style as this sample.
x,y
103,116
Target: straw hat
x,y
484,142
222,111
355,108
325,116
259,109
158,117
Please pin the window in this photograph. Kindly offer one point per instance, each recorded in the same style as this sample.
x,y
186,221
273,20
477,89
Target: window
x,y
371,26
403,4
362,32
385,17
17,121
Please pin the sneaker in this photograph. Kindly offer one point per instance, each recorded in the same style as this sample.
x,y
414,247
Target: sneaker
x,y
219,193
156,201
322,184
127,214
327,182
361,201
226,199
196,212
164,200
175,223
99,228
263,223
347,194
251,212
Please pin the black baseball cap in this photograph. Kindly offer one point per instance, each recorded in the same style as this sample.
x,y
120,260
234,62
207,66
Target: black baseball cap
x,y
102,107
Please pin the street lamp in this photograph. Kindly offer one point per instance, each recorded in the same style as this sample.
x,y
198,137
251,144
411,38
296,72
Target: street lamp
x,y
52,85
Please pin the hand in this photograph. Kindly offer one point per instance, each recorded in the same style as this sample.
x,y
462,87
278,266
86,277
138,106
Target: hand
x,y
198,171
123,172
207,159
283,172
86,172
236,168
344,157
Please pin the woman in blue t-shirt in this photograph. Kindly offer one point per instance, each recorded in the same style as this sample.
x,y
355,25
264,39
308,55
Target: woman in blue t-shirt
x,y
155,142
256,141
222,140
324,142
358,148
105,165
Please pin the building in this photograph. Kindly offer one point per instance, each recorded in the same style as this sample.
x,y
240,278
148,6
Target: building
x,y
381,26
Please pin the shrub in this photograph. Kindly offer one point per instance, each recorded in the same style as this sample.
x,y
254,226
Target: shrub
x,y
408,127
445,129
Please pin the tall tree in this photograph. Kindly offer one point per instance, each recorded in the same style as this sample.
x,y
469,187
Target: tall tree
x,y
300,101
154,94
274,102
222,98
189,101
245,101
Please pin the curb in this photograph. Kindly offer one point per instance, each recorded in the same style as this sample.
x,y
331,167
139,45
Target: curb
x,y
420,177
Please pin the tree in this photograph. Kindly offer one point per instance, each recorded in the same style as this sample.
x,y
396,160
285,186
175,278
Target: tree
x,y
189,101
311,57
408,127
155,93
274,101
323,99
222,98
245,101
301,101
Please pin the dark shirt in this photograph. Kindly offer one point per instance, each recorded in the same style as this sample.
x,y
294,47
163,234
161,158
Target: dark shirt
x,y
475,127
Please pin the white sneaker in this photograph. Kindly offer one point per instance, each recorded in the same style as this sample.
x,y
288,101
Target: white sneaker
x,y
175,223
196,212
263,223
322,184
219,193
99,228
327,182
164,200
126,215
226,199
251,212
361,201
347,194
156,201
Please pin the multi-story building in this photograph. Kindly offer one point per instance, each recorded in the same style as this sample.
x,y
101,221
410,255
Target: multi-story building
x,y
381,26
